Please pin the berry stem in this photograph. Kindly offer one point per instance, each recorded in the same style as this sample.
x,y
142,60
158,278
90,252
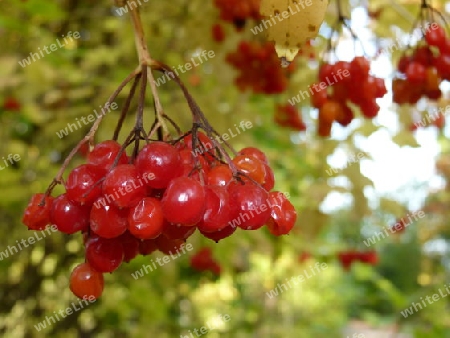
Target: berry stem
x,y
199,119
146,60
126,107
89,136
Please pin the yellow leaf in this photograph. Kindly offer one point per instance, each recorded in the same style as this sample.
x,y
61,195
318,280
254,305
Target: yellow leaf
x,y
292,23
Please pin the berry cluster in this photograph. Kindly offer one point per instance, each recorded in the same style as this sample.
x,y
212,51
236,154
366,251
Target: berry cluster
x,y
204,261
347,258
238,11
259,67
156,200
288,116
423,69
341,83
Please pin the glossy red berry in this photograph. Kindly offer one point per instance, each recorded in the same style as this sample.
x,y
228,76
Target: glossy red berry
x,y
83,184
255,152
160,161
249,204
183,201
107,220
219,175
104,255
104,154
146,219
218,210
37,217
69,217
283,215
86,282
251,166
124,187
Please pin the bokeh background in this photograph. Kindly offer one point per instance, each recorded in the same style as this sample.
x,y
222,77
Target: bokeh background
x,y
402,171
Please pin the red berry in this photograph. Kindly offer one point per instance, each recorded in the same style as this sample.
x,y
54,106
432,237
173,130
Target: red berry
x,y
219,175
124,187
435,35
217,212
107,220
86,282
69,217
249,205
255,152
359,68
251,166
104,255
325,72
183,201
37,217
283,214
161,162
82,185
104,154
416,73
370,109
146,219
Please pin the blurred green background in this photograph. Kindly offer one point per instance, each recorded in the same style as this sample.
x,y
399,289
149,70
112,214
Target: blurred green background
x,y
336,213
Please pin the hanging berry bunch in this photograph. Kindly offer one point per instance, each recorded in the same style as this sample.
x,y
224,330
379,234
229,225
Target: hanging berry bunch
x,y
259,67
422,68
154,190
342,84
